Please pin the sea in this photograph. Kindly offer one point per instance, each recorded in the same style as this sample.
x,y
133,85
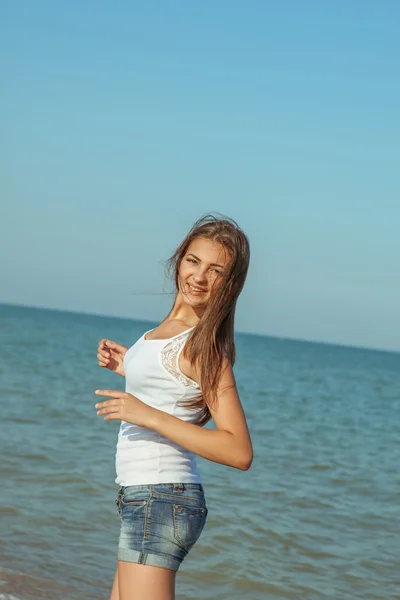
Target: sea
x,y
316,517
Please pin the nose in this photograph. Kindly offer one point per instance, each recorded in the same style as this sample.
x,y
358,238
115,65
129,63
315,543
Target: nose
x,y
200,276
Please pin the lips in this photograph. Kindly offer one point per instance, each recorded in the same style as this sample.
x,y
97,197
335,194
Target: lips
x,y
196,290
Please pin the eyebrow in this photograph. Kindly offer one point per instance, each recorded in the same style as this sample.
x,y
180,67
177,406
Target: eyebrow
x,y
212,264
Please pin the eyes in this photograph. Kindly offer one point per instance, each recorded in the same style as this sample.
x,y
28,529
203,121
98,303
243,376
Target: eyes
x,y
192,260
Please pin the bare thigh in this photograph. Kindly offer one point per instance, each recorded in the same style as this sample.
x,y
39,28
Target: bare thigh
x,y
115,590
143,582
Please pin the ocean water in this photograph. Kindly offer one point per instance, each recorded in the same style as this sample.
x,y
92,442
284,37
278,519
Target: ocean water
x,y
317,517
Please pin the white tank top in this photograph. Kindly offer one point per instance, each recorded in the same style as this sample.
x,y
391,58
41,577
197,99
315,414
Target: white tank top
x,y
152,374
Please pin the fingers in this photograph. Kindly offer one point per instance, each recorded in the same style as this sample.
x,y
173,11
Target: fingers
x,y
108,403
104,344
103,354
108,351
112,393
107,410
114,346
110,408
103,358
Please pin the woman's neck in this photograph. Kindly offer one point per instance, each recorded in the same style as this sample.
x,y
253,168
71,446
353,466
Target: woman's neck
x,y
184,313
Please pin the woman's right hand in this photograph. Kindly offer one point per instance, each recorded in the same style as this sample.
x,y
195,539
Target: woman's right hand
x,y
111,356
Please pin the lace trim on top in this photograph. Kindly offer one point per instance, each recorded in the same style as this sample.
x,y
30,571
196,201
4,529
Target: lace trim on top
x,y
169,360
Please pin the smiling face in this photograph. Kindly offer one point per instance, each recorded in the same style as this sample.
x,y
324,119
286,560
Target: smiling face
x,y
201,270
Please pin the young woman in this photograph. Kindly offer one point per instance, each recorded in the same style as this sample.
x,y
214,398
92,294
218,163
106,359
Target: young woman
x,y
178,376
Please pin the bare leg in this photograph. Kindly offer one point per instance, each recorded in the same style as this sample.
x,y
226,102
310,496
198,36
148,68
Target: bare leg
x,y
115,590
144,582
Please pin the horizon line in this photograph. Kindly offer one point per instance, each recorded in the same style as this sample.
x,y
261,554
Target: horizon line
x,y
276,337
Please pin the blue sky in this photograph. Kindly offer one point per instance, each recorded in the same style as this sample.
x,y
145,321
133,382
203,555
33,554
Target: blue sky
x,y
124,122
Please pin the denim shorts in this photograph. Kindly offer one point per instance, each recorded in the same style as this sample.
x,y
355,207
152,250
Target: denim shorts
x,y
160,522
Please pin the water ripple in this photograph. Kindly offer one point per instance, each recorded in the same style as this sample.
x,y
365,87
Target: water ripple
x,y
316,517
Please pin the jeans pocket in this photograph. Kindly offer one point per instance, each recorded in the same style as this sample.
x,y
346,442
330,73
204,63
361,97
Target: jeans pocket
x,y
125,502
129,498
189,522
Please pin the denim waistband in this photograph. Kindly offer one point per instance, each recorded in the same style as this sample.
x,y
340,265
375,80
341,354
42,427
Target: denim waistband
x,y
174,487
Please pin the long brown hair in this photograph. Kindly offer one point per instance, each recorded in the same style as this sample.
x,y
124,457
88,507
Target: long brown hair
x,y
213,337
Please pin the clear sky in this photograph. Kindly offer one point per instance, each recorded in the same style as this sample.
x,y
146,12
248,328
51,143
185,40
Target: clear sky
x,y
123,122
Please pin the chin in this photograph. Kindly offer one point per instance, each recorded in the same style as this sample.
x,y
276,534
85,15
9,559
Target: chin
x,y
194,302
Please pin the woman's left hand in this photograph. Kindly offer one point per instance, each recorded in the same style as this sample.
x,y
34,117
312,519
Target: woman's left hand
x,y
124,407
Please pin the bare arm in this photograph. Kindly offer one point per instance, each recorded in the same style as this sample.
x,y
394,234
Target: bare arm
x,y
229,444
